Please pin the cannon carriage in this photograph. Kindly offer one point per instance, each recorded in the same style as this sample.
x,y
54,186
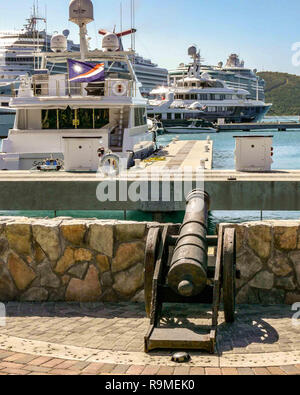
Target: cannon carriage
x,y
187,266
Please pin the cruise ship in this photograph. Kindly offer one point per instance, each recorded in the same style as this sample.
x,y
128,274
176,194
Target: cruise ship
x,y
234,73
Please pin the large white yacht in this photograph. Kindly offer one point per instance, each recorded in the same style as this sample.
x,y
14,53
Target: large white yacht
x,y
198,95
58,117
234,73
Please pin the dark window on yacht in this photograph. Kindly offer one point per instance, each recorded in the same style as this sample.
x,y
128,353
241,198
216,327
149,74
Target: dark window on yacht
x,y
66,119
49,119
212,97
177,116
101,117
193,97
140,117
85,118
4,104
203,96
187,97
169,115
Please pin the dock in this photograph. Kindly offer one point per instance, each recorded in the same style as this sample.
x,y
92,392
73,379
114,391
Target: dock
x,y
261,126
228,189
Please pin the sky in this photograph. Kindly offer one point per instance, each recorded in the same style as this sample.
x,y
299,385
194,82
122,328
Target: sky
x,y
262,32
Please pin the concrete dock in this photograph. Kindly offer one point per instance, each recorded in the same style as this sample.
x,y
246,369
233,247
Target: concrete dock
x,y
229,190
261,126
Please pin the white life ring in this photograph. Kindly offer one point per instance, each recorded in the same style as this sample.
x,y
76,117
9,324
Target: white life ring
x,y
119,88
110,165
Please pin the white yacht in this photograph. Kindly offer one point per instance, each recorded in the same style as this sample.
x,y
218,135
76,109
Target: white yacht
x,y
78,122
234,73
199,96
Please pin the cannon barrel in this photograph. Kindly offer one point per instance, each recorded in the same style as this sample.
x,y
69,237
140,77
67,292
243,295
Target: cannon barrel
x,y
187,275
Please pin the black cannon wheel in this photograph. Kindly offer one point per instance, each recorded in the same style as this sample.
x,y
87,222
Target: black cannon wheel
x,y
229,274
150,260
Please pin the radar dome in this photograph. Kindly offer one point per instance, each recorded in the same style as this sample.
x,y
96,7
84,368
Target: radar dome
x,y
192,50
220,65
66,33
110,42
81,11
59,43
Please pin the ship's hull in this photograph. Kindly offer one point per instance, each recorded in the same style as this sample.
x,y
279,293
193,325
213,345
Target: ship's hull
x,y
189,130
239,115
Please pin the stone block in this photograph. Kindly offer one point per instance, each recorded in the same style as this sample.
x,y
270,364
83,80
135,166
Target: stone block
x,y
74,232
128,282
47,236
249,265
66,261
22,274
259,239
8,291
130,232
286,283
47,277
292,297
35,294
295,257
87,290
82,255
79,270
19,238
280,264
263,280
101,238
102,263
127,255
285,237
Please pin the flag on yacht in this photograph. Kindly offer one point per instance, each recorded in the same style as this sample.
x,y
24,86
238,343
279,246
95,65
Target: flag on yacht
x,y
85,72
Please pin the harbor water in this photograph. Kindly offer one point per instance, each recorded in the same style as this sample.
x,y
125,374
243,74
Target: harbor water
x,y
286,156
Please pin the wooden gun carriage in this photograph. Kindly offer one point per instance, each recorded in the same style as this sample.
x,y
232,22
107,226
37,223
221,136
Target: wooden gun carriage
x,y
177,271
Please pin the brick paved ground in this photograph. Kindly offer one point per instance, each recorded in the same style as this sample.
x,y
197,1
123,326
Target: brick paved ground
x,y
117,331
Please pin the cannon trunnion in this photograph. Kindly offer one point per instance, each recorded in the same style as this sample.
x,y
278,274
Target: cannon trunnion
x,y
179,270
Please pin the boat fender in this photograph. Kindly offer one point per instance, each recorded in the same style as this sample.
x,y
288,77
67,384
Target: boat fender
x,y
113,162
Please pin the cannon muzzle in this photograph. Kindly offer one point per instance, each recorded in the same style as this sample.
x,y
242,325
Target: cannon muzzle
x,y
188,270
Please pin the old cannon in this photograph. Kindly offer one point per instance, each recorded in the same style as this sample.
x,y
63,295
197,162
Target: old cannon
x,y
185,265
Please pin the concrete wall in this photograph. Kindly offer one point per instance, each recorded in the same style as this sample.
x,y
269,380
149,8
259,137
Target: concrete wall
x,y
90,260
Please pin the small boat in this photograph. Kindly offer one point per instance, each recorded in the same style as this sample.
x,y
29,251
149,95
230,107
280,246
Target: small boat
x,y
196,126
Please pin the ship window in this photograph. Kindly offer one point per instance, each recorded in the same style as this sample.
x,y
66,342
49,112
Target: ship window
x,y
85,118
140,117
169,115
101,117
212,97
49,119
177,116
66,118
202,96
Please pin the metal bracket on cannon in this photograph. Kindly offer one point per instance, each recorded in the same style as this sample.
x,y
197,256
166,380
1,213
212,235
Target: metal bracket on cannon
x,y
186,276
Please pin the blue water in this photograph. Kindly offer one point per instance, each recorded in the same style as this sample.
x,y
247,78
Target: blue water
x,y
286,156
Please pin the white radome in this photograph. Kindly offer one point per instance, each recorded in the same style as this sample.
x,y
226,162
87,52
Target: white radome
x,y
59,43
81,11
110,42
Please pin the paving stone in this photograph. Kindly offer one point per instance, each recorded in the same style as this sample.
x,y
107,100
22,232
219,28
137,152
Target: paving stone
x,y
245,371
261,371
165,371
274,370
182,371
290,369
135,370
150,370
229,371
213,371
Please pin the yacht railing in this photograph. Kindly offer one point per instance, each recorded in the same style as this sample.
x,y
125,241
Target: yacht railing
x,y
61,88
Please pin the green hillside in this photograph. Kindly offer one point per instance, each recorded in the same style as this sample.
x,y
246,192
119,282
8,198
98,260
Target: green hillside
x,y
283,90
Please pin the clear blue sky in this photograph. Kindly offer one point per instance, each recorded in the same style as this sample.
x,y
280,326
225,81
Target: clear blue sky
x,y
261,31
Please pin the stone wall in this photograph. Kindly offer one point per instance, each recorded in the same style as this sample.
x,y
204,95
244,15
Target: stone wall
x,y
90,260
268,256
71,260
